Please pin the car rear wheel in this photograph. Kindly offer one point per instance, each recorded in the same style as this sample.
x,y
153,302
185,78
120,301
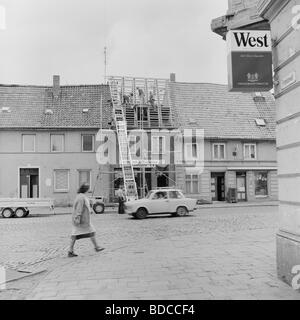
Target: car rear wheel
x,y
20,213
141,213
7,213
98,207
182,212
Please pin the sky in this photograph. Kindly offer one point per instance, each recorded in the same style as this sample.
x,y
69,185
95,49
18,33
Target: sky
x,y
144,38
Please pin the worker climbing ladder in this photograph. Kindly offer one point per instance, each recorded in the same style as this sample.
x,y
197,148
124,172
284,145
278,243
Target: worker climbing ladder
x,y
121,128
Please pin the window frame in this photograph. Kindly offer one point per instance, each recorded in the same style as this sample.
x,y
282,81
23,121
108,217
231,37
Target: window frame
x,y
90,172
34,143
63,142
255,150
189,150
54,185
191,181
163,145
213,151
133,142
267,184
93,143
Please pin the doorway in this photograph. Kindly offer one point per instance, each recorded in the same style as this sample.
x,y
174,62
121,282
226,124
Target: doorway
x,y
29,183
241,183
162,174
218,186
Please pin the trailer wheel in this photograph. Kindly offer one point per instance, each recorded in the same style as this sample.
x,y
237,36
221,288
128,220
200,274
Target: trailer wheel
x,y
7,213
98,207
20,213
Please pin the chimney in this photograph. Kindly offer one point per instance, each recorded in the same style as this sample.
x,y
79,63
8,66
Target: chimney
x,y
173,77
56,86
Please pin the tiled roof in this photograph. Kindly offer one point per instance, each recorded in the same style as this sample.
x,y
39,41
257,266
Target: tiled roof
x,y
210,107
27,105
223,114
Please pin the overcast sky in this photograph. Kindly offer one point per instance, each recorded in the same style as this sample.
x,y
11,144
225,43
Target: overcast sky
x,y
145,38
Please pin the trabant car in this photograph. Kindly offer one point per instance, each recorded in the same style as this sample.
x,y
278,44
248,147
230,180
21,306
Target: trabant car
x,y
161,201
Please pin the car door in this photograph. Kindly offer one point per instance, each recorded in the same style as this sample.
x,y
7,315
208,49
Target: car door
x,y
160,203
174,202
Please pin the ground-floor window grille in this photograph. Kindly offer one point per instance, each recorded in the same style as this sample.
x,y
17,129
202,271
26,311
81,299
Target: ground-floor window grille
x,y
61,180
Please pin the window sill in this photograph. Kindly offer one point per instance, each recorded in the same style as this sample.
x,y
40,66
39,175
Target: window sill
x,y
61,191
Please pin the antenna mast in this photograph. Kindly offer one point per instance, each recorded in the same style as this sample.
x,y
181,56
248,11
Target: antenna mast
x,y
105,64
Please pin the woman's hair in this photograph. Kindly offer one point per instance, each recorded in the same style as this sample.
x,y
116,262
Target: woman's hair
x,y
84,188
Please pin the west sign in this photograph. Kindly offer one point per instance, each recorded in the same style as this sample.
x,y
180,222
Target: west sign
x,y
249,60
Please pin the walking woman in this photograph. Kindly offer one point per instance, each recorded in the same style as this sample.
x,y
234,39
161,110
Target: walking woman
x,y
81,218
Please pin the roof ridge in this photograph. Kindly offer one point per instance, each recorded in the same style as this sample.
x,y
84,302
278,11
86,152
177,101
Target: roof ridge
x,y
49,87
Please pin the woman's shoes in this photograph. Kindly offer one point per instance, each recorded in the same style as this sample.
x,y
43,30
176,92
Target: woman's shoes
x,y
99,249
72,255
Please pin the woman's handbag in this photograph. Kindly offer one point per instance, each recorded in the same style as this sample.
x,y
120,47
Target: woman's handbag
x,y
77,220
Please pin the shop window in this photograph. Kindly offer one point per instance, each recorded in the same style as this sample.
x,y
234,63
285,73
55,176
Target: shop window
x,y
261,184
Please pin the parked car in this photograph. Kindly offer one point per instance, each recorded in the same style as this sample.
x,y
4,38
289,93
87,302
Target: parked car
x,y
166,201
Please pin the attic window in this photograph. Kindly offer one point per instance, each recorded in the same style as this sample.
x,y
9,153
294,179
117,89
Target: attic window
x,y
48,112
260,122
85,110
258,97
192,121
5,110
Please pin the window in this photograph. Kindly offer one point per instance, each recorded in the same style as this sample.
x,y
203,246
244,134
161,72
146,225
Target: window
x,y
250,151
158,145
175,195
61,180
261,184
88,142
85,177
192,150
28,141
133,140
219,151
160,196
192,184
57,143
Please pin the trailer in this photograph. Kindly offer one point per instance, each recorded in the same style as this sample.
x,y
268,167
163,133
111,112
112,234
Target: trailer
x,y
20,208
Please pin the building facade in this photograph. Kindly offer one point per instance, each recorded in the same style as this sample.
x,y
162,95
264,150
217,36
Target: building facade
x,y
52,139
283,18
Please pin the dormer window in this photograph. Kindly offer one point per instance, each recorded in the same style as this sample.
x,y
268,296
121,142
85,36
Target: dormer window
x,y
260,122
48,112
5,110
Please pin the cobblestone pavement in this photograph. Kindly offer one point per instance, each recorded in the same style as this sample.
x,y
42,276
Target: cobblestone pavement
x,y
224,253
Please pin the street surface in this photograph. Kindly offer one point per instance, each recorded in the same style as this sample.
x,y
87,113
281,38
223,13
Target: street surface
x,y
217,253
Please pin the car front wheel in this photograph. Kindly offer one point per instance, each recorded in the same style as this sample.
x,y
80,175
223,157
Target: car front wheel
x,y
141,213
182,212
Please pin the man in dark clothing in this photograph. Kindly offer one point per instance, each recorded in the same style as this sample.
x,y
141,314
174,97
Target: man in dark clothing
x,y
121,199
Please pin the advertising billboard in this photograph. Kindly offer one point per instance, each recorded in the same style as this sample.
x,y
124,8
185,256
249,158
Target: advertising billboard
x,y
250,67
